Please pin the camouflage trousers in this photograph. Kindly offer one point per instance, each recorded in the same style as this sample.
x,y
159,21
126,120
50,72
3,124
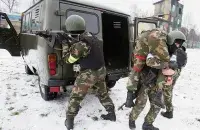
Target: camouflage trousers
x,y
149,92
85,80
168,92
140,103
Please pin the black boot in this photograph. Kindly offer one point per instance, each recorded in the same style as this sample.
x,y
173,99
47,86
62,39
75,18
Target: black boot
x,y
147,126
168,115
110,116
157,100
131,123
129,99
69,123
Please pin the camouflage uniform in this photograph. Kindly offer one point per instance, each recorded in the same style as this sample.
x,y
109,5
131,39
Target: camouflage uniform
x,y
88,51
150,92
150,42
167,92
141,99
86,79
168,89
151,50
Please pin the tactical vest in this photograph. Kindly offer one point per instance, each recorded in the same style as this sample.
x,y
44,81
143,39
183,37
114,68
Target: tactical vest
x,y
95,59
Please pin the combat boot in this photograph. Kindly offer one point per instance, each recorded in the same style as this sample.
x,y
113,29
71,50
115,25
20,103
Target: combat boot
x,y
131,123
167,114
147,126
69,122
157,100
110,116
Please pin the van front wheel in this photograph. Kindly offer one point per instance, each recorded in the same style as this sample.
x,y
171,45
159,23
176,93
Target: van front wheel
x,y
45,92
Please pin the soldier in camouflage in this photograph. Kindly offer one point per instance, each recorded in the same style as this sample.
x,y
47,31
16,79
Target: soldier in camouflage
x,y
88,51
149,43
158,58
168,89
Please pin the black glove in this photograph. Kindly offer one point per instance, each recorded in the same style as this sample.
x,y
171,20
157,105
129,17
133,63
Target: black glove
x,y
181,58
129,100
173,65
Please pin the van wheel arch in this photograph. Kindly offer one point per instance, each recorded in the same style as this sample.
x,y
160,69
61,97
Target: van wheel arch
x,y
45,92
28,70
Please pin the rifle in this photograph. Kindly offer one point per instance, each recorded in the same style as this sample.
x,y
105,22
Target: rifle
x,y
121,107
147,78
53,37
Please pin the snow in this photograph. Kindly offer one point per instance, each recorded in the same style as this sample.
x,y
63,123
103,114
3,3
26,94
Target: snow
x,y
22,108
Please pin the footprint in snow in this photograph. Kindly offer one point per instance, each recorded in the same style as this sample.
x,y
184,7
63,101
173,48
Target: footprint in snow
x,y
14,94
44,114
11,108
24,95
7,98
19,111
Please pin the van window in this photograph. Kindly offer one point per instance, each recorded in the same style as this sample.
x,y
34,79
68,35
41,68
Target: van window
x,y
3,23
24,23
91,19
145,26
35,19
27,22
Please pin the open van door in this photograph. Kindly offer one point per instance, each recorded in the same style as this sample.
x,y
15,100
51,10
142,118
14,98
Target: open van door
x,y
8,36
142,24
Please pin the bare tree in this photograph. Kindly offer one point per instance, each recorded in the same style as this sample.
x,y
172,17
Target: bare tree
x,y
188,21
32,2
185,31
10,4
190,30
136,12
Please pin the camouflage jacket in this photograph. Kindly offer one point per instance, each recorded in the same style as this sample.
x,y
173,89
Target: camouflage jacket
x,y
76,51
152,46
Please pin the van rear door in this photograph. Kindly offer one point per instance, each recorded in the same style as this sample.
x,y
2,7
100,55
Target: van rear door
x,y
142,24
8,36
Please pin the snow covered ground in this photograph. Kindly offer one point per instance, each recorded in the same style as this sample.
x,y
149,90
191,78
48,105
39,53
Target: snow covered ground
x,y
22,108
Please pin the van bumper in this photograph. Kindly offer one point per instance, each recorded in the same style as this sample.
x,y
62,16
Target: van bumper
x,y
111,76
53,82
56,83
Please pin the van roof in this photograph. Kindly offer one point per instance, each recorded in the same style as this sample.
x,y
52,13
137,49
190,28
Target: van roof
x,y
95,5
98,6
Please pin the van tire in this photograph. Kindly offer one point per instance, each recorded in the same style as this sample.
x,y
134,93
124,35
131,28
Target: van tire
x,y
46,95
110,84
28,70
45,92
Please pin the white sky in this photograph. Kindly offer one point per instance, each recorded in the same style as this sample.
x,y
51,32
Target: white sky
x,y
191,7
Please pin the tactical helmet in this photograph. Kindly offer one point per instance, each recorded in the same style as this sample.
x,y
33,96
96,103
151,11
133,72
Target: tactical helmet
x,y
173,35
75,23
